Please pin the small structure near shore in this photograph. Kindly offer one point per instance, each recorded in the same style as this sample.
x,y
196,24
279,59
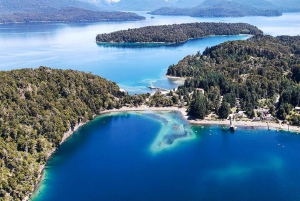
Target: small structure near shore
x,y
157,88
232,127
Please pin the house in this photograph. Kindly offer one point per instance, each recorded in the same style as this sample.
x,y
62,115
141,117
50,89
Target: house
x,y
240,114
268,117
256,119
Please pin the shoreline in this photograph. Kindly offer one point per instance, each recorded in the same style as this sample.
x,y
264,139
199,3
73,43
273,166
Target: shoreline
x,y
40,178
113,43
184,114
183,111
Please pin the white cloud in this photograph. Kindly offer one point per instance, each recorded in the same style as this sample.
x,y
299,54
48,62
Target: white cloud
x,y
112,1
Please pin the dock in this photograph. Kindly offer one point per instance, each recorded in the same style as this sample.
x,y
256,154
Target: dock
x,y
157,88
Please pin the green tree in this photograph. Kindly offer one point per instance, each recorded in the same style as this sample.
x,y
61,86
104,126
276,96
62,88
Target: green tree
x,y
224,110
198,106
250,111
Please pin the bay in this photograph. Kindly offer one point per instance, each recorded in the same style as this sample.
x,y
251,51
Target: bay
x,y
111,158
72,46
116,157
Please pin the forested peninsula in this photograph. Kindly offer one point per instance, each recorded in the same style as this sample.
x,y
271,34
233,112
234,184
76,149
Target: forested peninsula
x,y
262,72
37,106
69,14
176,33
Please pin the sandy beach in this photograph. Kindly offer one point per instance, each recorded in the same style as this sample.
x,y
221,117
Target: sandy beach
x,y
183,111
241,124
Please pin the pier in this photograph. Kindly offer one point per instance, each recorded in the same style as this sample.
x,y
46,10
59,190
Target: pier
x,y
157,88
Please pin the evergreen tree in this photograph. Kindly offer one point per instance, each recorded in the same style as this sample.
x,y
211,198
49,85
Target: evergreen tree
x,y
250,111
198,106
224,110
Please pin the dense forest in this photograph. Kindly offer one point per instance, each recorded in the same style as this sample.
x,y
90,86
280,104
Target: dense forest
x,y
69,14
37,106
176,33
256,72
220,9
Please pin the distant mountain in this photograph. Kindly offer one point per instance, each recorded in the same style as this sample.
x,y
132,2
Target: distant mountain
x,y
261,4
286,5
21,11
69,14
217,8
144,5
42,6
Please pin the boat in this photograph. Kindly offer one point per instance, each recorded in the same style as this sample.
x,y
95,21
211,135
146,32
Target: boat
x,y
232,127
151,87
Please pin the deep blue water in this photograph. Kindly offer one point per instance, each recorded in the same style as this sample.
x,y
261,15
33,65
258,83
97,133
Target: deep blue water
x,y
119,157
111,159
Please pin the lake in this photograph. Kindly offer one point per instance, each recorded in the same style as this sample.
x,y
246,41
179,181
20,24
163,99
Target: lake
x,y
72,46
112,158
119,157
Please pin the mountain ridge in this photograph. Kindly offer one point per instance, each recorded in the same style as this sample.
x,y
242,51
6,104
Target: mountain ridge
x,y
147,5
69,14
24,11
217,8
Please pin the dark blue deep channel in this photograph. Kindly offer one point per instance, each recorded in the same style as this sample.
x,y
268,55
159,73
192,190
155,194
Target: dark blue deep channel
x,y
112,158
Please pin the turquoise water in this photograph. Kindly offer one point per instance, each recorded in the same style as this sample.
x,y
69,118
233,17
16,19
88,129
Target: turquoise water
x,y
152,156
112,158
72,46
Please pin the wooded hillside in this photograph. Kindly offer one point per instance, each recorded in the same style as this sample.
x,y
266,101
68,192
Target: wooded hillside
x,y
176,33
254,71
37,106
69,15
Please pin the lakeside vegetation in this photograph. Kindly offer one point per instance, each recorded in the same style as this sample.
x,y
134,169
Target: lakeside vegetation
x,y
37,106
176,33
262,72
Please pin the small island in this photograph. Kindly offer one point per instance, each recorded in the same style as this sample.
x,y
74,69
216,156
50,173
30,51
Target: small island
x,y
176,33
254,80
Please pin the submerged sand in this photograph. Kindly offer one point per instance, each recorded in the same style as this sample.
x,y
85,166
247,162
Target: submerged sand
x,y
262,124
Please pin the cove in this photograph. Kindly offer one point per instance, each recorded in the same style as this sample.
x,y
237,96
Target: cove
x,y
111,159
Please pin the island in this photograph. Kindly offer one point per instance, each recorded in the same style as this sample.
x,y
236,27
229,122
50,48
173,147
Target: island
x,y
254,80
176,33
27,11
218,9
69,14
